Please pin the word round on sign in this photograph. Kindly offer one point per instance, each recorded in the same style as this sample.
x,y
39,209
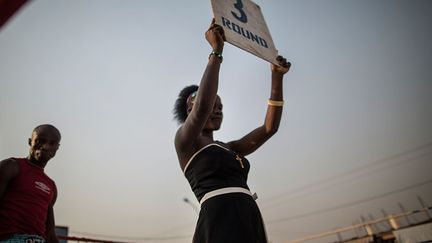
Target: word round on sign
x,y
245,27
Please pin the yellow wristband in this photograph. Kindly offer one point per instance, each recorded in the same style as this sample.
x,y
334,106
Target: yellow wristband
x,y
275,102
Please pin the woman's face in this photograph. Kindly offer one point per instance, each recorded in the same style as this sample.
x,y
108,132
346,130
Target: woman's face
x,y
214,121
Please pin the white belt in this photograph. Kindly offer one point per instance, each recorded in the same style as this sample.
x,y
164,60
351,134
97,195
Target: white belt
x,y
225,191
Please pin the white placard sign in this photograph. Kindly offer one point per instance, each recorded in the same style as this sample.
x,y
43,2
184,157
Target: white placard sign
x,y
244,27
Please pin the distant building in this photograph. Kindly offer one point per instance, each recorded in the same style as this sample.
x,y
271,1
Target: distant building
x,y
62,231
418,233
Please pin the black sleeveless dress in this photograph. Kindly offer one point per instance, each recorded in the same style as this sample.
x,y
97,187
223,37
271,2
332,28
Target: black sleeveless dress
x,y
227,218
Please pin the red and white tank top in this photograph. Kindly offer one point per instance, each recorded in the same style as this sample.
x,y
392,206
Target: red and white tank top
x,y
24,207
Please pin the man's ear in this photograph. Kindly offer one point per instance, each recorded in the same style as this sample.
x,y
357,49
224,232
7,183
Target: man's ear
x,y
29,141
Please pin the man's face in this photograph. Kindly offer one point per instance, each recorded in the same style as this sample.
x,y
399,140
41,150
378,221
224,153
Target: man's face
x,y
44,144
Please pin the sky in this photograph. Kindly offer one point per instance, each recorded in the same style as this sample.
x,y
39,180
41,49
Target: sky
x,y
355,135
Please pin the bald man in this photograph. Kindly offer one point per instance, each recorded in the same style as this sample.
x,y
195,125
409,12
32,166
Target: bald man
x,y
27,194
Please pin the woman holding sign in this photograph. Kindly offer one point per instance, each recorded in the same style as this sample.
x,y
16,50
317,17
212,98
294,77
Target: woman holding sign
x,y
217,171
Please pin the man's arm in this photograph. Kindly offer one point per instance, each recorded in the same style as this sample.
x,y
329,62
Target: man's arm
x,y
51,236
9,169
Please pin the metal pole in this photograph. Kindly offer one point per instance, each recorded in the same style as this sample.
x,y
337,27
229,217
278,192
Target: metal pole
x,y
186,200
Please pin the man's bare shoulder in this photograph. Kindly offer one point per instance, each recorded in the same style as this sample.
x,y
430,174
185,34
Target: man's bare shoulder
x,y
9,167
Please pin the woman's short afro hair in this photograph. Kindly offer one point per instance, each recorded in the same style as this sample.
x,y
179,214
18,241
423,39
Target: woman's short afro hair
x,y
180,106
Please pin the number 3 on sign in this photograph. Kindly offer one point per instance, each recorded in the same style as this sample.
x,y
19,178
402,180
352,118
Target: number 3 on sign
x,y
239,6
244,27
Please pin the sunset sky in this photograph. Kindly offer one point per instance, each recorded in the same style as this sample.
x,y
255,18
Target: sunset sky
x,y
355,136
